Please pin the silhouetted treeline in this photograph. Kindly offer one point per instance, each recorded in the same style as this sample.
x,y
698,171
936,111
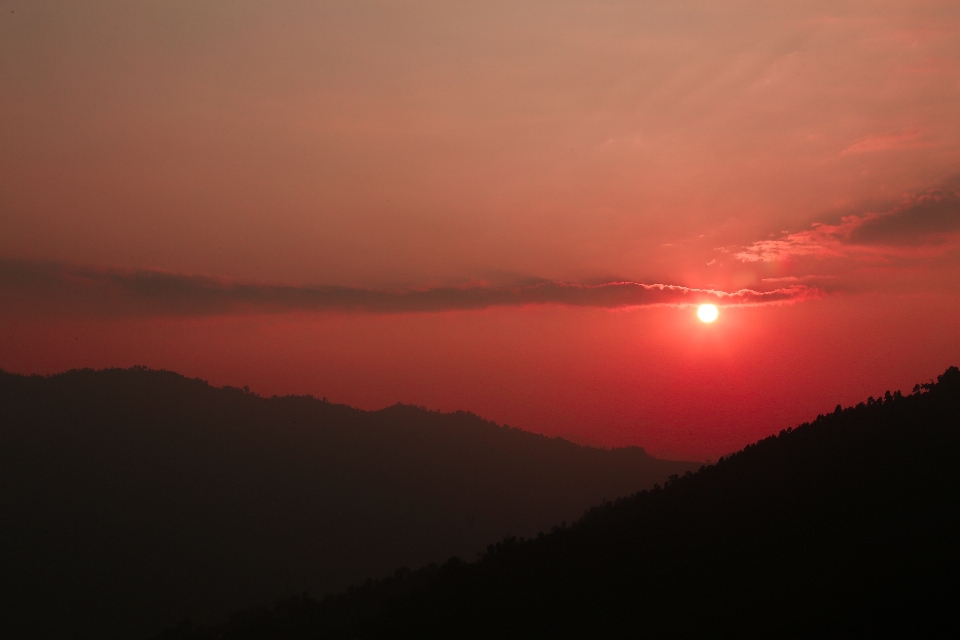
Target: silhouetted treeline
x,y
131,499
846,526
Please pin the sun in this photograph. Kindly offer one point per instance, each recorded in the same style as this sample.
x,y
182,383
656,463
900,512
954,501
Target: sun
x,y
707,312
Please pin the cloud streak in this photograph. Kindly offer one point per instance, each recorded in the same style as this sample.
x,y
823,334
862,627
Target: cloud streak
x,y
887,142
148,292
924,224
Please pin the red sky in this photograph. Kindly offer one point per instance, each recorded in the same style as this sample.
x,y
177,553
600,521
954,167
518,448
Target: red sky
x,y
446,204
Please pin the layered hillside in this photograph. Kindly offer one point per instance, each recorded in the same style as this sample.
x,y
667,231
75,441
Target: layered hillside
x,y
135,498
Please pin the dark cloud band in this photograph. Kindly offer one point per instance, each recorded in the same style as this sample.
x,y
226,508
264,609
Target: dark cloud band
x,y
160,293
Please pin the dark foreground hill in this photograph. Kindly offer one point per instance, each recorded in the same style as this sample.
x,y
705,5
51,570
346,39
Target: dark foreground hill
x,y
132,499
843,527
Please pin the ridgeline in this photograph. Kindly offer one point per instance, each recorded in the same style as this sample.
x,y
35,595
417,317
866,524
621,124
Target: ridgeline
x,y
132,499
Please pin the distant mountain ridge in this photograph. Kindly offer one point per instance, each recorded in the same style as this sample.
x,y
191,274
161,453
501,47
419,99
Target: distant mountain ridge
x,y
134,498
843,527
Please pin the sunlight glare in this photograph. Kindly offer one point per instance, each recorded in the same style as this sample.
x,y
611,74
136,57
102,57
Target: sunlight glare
x,y
707,312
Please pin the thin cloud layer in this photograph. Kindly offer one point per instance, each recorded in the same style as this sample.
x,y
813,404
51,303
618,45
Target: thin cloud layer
x,y
927,223
875,143
146,292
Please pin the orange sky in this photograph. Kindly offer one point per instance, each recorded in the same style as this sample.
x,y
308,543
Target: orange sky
x,y
200,186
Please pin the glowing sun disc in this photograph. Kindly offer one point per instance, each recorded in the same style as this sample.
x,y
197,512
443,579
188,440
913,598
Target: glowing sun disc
x,y
707,312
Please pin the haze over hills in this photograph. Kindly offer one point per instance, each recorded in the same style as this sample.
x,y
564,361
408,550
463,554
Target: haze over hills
x,y
679,225
134,498
841,527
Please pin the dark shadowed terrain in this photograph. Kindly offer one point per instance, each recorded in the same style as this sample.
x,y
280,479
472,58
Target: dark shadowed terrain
x,y
132,499
844,527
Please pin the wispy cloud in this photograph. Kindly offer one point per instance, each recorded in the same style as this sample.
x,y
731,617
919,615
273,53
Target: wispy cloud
x,y
925,223
886,142
821,241
147,292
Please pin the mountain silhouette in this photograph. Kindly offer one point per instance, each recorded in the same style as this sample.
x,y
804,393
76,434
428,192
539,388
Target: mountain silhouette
x,y
846,526
132,499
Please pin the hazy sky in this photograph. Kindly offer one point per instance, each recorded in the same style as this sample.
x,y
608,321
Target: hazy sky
x,y
430,202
